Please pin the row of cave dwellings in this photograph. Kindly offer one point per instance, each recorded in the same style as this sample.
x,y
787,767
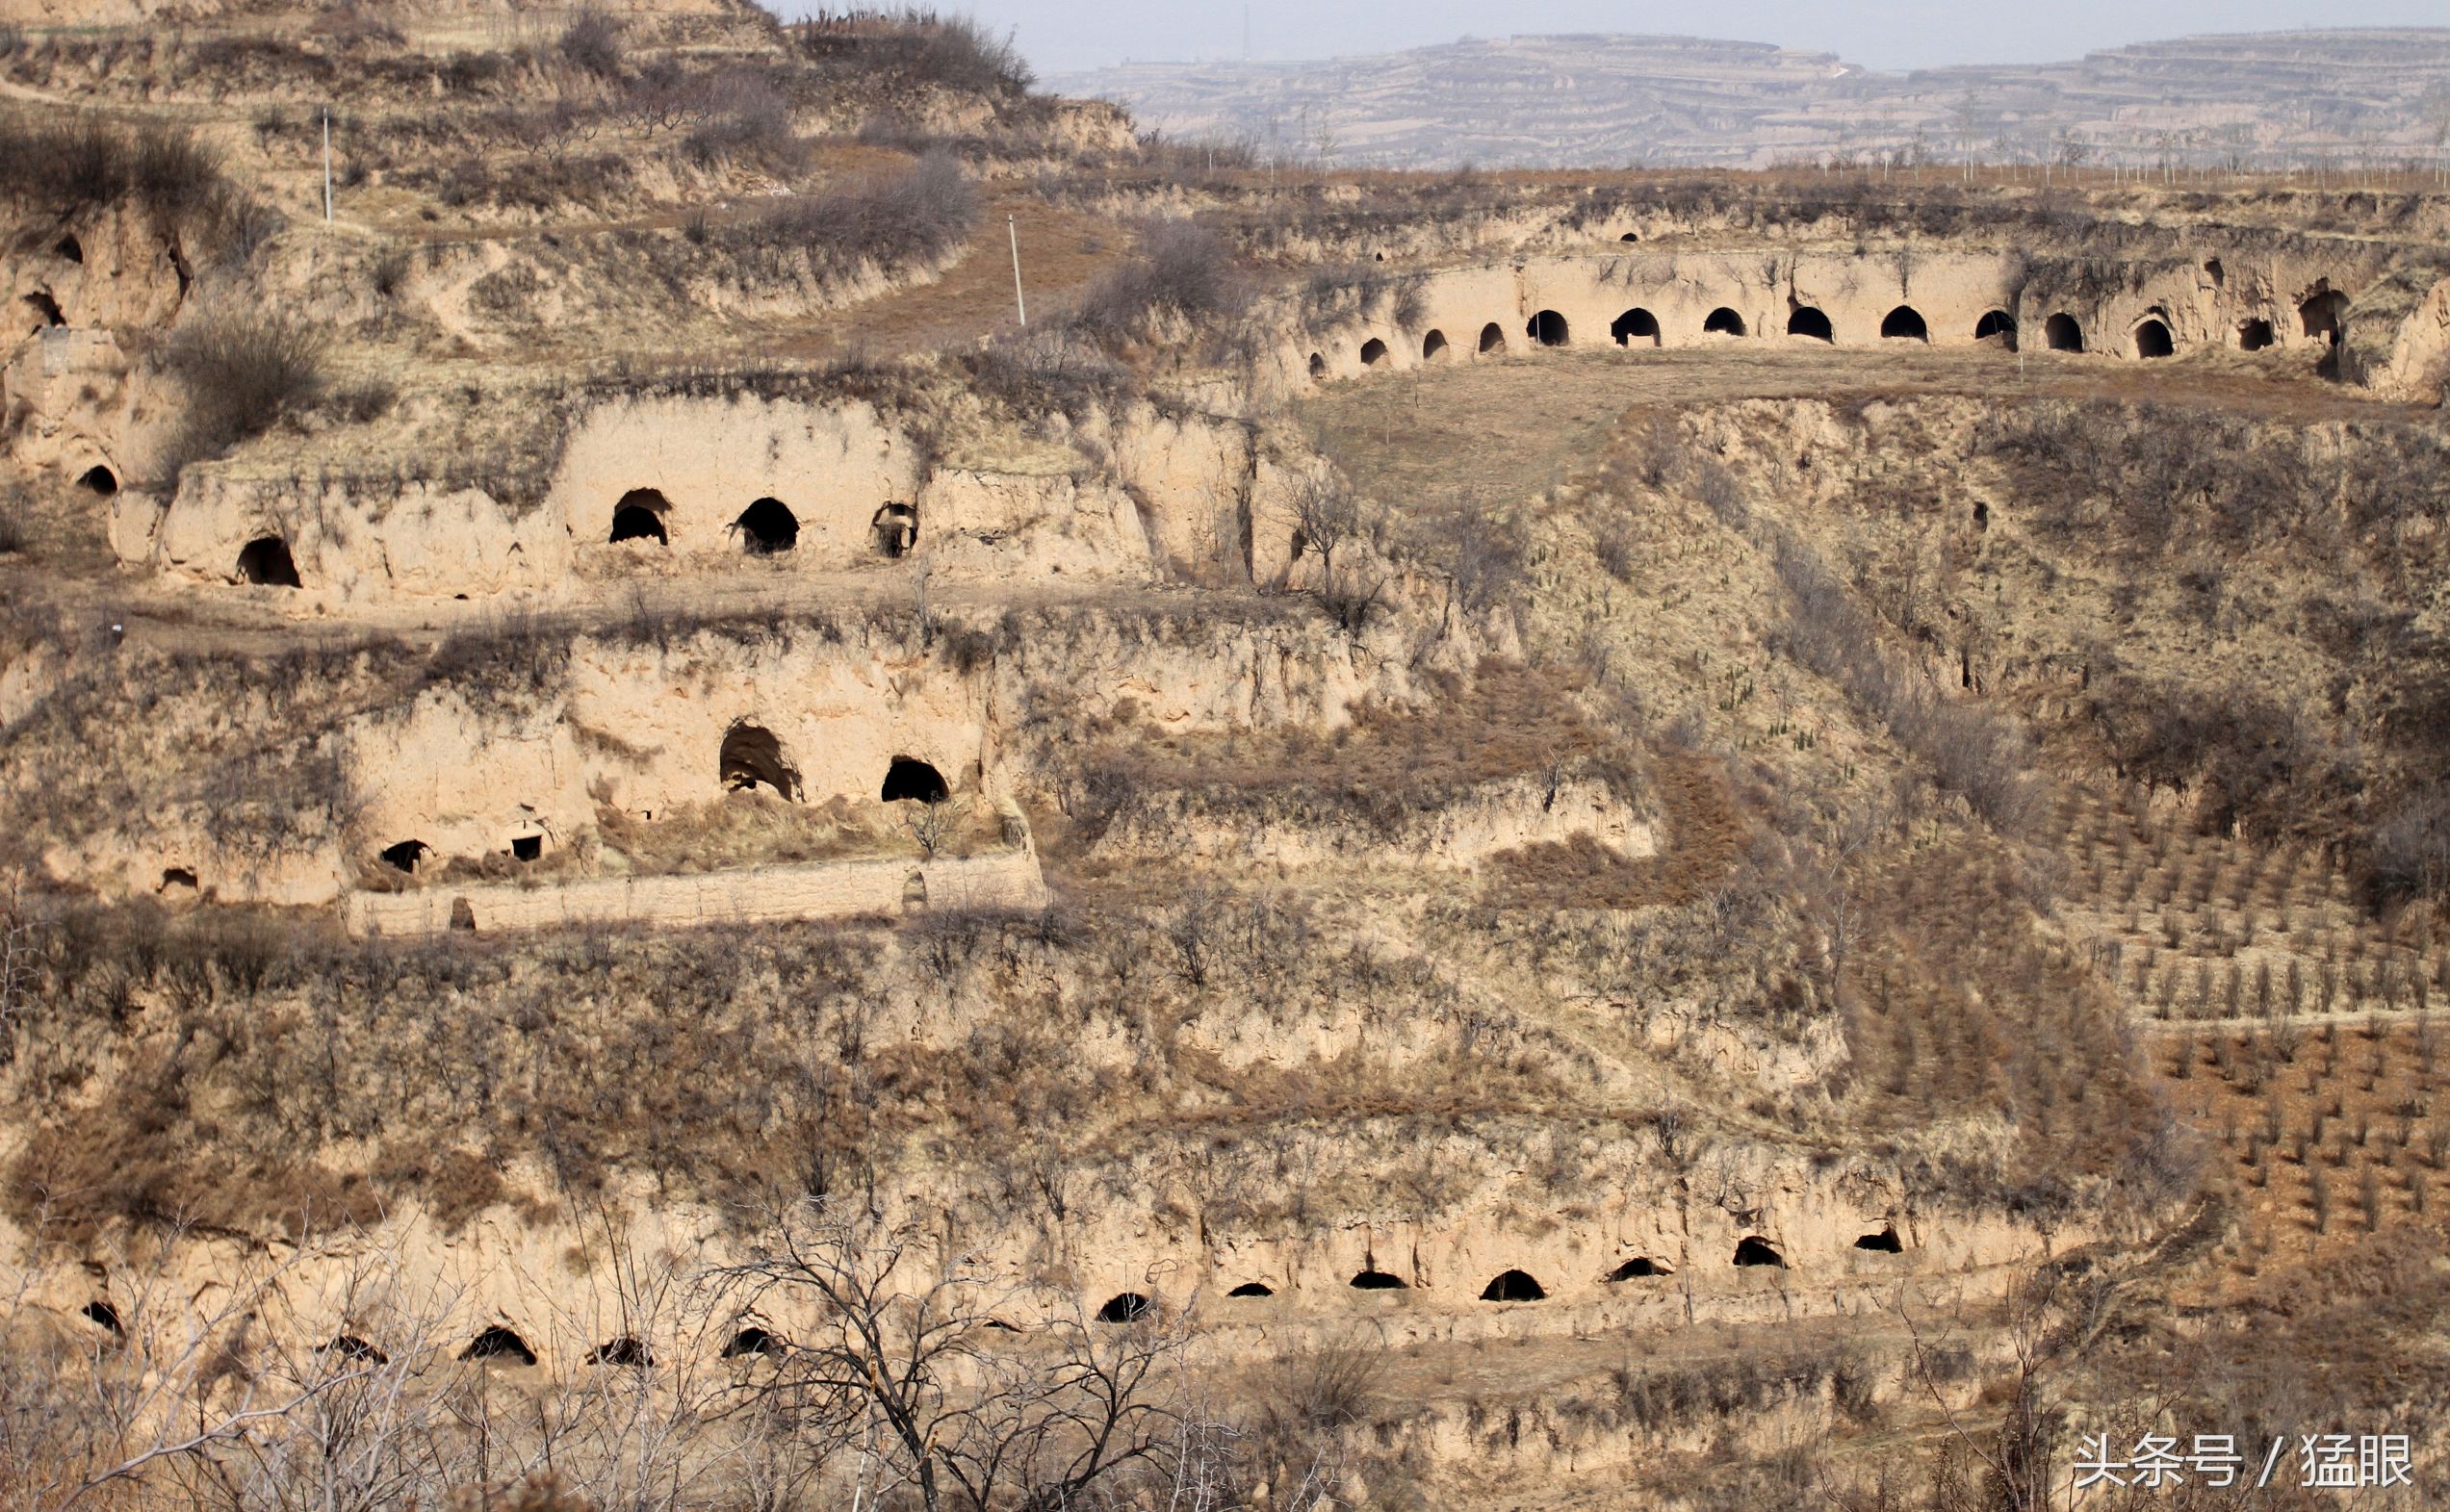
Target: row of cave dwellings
x,y
767,527
750,759
2322,317
499,1344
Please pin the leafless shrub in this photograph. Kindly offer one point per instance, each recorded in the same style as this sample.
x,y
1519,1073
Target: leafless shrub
x,y
741,118
918,45
87,163
1180,273
891,221
243,371
592,43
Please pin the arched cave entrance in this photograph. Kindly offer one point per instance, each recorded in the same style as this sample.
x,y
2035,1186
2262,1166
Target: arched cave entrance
x,y
99,481
2212,270
1808,321
1722,321
1124,1307
46,310
1998,323
751,758
1515,1285
1253,1289
1981,515
1492,338
348,1346
405,856
1634,325
2153,340
103,1314
527,847
896,528
1629,237
754,1341
498,1343
1904,323
1318,366
639,516
1378,1281
767,526
266,562
1433,347
913,778
2256,335
1885,1242
1547,327
2061,333
1754,1250
179,877
2325,315
626,1350
1637,1268
69,247
1373,352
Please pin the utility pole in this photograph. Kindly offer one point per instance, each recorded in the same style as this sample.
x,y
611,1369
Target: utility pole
x,y
1012,228
327,165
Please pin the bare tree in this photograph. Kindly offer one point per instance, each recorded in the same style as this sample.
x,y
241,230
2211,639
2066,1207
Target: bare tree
x,y
908,1361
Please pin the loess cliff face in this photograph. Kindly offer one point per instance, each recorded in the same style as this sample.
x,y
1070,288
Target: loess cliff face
x,y
1645,841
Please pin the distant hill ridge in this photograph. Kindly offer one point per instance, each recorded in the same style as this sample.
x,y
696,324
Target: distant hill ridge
x,y
2251,99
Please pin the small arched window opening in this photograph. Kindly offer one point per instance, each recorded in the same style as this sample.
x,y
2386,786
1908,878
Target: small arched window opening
x,y
1634,325
639,516
1253,1289
1515,1285
104,1315
1981,515
69,247
896,528
754,1341
1629,237
348,1346
1548,328
406,856
2212,270
1378,1281
99,481
1637,1268
1433,347
1812,323
1998,323
266,562
626,1350
2153,340
498,1343
46,310
909,778
1124,1307
1754,1250
1722,321
1904,323
527,847
1885,1242
751,758
2325,315
1373,353
1492,338
2062,333
2256,335
1318,364
767,526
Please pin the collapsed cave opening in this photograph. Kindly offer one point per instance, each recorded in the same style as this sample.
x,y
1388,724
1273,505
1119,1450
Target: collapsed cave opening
x,y
1634,325
498,1343
1515,1285
1637,1268
1883,1242
767,527
1754,1250
1374,1280
909,777
896,528
751,758
266,562
641,515
1996,324
1374,353
1492,338
1124,1307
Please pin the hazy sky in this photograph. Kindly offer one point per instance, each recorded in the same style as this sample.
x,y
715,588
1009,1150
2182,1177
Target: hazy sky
x,y
1062,36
